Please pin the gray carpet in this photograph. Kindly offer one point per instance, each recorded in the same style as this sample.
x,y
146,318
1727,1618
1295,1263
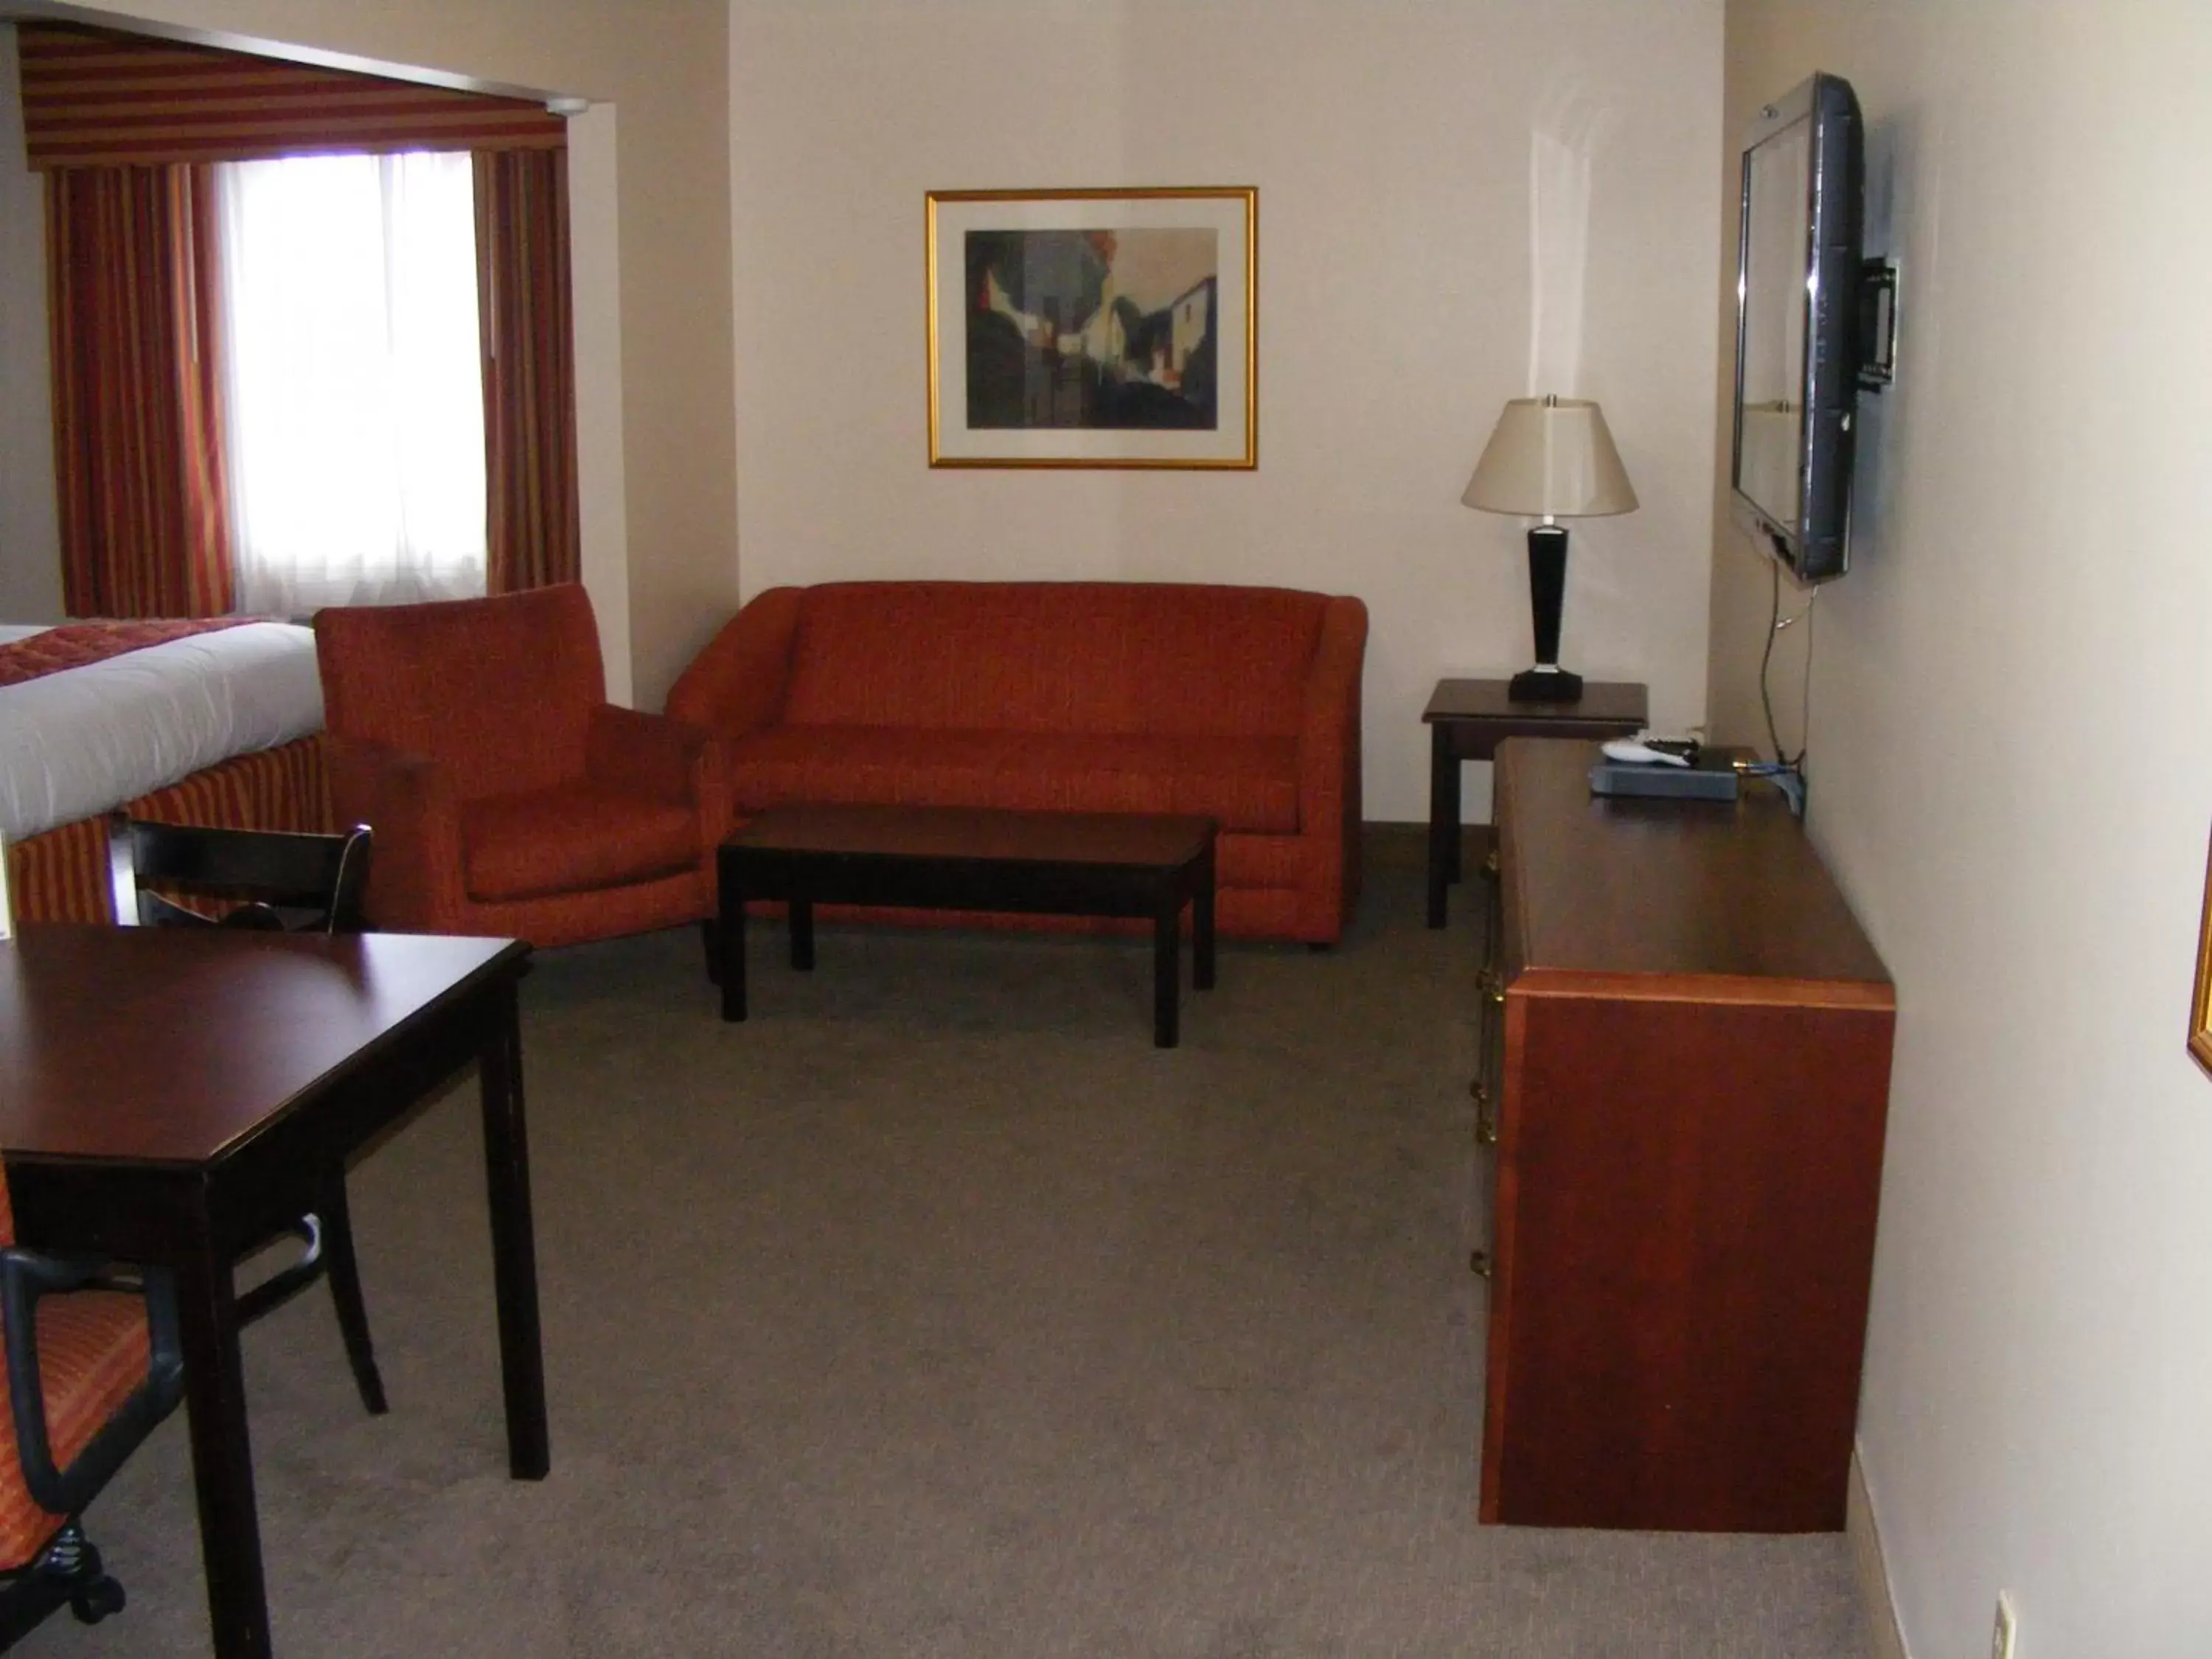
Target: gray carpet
x,y
935,1312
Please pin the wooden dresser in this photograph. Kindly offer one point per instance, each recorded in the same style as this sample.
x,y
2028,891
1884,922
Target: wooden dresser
x,y
1685,1047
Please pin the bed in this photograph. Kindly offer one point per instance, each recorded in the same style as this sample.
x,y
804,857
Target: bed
x,y
213,722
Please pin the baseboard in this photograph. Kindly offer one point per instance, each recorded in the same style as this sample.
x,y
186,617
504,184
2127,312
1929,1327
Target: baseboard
x,y
1871,1568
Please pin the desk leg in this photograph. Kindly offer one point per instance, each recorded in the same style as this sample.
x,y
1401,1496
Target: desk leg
x,y
1443,819
222,1456
514,1246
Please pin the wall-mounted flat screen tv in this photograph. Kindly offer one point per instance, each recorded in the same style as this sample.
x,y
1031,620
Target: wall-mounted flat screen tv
x,y
1797,350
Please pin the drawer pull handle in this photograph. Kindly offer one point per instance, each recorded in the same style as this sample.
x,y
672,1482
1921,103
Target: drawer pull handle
x,y
1491,984
1485,1133
1478,1264
1480,1094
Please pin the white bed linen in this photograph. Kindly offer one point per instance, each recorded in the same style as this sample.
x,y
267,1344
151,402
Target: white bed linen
x,y
86,739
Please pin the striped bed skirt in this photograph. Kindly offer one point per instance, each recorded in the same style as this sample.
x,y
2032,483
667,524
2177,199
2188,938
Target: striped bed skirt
x,y
61,875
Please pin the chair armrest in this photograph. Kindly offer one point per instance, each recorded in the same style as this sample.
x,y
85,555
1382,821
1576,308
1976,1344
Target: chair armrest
x,y
736,684
1329,767
664,759
408,804
1328,726
25,1277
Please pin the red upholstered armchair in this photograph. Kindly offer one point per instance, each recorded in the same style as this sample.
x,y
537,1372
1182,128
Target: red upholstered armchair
x,y
507,796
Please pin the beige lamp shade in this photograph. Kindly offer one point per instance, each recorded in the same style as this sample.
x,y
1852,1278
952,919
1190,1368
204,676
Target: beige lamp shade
x,y
1550,458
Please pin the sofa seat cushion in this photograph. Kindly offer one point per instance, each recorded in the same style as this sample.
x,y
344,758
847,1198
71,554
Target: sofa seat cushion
x,y
571,836
1244,783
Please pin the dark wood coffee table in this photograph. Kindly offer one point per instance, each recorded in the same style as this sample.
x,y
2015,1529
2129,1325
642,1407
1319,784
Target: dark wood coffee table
x,y
1070,864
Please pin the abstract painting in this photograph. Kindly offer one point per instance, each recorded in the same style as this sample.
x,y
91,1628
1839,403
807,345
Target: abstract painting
x,y
1092,328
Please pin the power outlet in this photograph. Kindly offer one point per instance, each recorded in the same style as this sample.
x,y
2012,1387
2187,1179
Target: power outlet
x,y
2000,1637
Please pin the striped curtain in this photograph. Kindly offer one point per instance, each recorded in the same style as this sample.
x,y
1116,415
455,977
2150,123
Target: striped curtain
x,y
137,447
99,98
113,120
534,535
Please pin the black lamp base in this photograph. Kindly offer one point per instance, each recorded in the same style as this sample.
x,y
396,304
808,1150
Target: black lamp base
x,y
1547,589
1545,685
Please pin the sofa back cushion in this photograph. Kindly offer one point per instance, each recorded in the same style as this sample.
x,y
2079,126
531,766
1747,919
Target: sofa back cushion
x,y
500,691
1092,657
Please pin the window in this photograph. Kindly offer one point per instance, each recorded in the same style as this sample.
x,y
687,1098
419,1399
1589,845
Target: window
x,y
353,378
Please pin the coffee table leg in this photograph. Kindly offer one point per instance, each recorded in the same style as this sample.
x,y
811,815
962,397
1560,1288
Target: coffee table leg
x,y
733,933
802,934
1167,966
1201,926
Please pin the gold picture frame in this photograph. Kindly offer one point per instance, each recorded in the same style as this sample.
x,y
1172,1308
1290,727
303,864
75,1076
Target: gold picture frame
x,y
1094,328
2200,1001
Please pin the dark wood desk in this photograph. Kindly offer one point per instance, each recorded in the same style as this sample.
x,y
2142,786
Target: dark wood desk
x,y
1686,1040
172,1095
1468,718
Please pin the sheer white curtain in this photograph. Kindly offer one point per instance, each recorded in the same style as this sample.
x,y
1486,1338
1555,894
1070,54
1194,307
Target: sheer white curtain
x,y
356,390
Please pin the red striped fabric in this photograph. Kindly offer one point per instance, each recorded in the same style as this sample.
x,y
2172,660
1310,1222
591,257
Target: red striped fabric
x,y
94,98
93,1352
534,529
93,1355
145,521
63,875
75,644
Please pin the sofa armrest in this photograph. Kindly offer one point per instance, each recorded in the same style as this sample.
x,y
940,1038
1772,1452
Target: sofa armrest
x,y
736,684
667,760
414,819
1328,736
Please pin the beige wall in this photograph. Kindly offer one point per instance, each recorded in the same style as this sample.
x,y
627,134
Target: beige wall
x,y
663,64
1391,146
2013,780
30,540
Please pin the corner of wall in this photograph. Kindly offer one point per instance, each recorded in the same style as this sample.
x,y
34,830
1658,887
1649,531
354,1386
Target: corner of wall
x,y
595,275
30,530
1871,1568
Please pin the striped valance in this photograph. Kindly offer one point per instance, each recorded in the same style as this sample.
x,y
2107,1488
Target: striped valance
x,y
92,98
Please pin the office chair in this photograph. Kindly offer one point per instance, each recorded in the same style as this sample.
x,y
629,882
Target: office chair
x,y
94,1363
268,879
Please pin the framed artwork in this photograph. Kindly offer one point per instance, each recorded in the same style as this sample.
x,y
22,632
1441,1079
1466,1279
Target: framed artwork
x,y
2200,1000
1093,328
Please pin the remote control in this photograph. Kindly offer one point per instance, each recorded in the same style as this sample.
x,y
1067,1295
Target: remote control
x,y
1687,748
1628,749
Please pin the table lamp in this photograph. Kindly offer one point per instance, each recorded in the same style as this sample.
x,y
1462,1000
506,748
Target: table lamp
x,y
1550,458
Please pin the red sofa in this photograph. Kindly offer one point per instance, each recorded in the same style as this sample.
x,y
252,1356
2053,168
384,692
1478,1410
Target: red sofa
x,y
1240,702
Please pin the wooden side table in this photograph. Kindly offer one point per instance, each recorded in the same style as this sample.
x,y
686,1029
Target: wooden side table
x,y
1468,718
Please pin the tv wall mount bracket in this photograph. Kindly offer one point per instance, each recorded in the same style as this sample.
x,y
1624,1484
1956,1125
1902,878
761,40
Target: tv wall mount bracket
x,y
1877,324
